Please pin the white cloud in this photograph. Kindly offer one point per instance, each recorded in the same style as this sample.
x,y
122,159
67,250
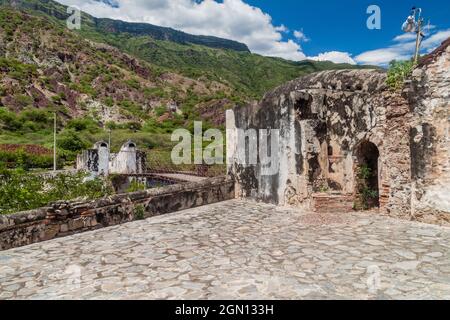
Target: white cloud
x,y
405,37
230,19
300,35
282,28
403,49
334,56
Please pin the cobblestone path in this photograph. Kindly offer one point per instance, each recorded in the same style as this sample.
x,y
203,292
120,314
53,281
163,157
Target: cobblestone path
x,y
237,249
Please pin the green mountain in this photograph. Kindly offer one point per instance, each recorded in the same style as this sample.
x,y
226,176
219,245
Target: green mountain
x,y
59,11
212,58
135,79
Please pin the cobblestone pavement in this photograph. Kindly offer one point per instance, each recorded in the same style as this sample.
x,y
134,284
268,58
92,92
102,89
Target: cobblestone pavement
x,y
237,249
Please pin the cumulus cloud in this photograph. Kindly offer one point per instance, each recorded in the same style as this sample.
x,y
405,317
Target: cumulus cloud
x,y
231,19
335,56
405,37
300,36
403,49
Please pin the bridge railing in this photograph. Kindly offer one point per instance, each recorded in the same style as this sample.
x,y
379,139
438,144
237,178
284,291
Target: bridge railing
x,y
159,161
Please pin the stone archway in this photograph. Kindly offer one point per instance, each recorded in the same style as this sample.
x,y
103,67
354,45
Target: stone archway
x,y
367,191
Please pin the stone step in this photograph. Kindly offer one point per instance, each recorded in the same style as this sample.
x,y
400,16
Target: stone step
x,y
325,202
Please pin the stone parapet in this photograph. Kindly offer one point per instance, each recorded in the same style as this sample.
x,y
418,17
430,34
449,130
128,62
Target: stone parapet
x,y
64,218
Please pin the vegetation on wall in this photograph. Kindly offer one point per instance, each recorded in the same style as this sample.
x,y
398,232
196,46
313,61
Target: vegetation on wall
x,y
366,197
398,72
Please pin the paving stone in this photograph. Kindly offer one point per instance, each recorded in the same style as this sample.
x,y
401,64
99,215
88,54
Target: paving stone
x,y
406,265
236,250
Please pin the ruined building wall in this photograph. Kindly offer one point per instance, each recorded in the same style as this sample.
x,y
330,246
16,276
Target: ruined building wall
x,y
99,160
429,96
322,118
326,119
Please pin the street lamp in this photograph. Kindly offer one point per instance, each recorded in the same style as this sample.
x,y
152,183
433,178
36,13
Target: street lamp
x,y
414,24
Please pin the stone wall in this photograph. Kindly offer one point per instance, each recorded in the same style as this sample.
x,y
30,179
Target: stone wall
x,y
66,218
327,118
322,119
429,95
99,160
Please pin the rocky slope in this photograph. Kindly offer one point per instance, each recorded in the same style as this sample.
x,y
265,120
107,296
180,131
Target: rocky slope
x,y
45,66
119,72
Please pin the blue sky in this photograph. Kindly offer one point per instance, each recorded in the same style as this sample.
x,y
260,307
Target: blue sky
x,y
341,25
291,29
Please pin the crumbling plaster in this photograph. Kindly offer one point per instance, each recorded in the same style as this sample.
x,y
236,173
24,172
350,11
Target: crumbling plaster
x,y
323,117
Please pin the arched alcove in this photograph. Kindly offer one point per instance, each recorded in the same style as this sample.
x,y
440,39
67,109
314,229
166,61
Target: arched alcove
x,y
367,175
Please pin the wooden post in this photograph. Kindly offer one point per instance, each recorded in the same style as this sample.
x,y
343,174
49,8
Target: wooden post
x,y
418,41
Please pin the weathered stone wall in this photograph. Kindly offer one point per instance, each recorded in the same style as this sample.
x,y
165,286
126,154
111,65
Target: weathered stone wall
x,y
99,160
429,96
324,120
66,218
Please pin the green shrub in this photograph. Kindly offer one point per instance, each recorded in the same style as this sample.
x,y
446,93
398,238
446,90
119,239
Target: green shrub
x,y
136,186
133,83
71,141
111,125
365,172
57,99
159,111
108,101
26,161
10,121
82,124
154,92
139,212
17,70
40,116
398,72
133,108
23,100
20,190
151,126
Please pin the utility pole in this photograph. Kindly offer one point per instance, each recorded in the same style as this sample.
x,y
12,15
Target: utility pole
x,y
418,41
413,25
54,141
109,138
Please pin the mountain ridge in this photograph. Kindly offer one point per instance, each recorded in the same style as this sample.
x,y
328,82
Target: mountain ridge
x,y
59,11
137,85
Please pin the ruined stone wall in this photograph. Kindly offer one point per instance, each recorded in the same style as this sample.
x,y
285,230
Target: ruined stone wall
x,y
66,218
324,119
88,160
429,96
99,161
395,186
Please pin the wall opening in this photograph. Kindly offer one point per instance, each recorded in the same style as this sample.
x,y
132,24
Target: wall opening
x,y
303,107
367,176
